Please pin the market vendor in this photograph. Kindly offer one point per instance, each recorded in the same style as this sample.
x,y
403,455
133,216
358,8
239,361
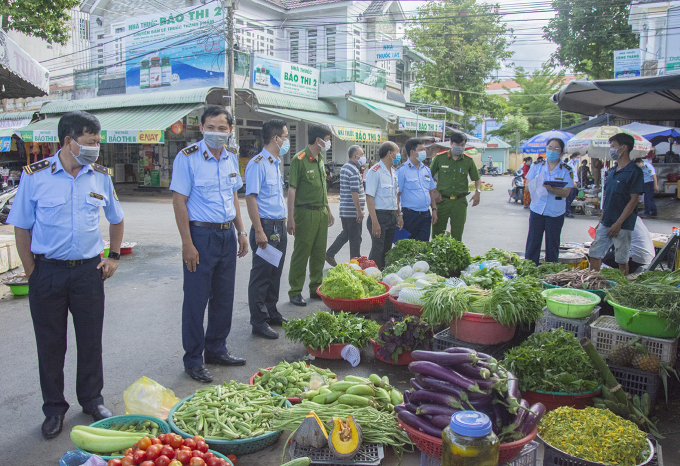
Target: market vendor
x,y
309,216
452,170
205,184
384,215
267,212
651,186
623,186
641,249
56,223
417,192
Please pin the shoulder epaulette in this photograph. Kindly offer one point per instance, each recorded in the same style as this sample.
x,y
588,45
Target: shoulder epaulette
x,y
540,161
376,167
232,149
259,158
36,167
102,169
190,150
300,155
567,166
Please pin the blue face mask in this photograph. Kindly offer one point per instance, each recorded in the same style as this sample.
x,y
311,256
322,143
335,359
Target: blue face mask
x,y
422,155
398,159
552,155
285,147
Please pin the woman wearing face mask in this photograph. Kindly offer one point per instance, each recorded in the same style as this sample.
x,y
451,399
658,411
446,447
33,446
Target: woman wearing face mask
x,y
547,203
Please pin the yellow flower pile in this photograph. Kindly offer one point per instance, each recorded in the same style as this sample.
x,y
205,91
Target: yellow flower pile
x,y
594,435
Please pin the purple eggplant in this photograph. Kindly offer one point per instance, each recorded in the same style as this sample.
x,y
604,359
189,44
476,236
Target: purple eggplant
x,y
430,383
416,385
429,397
441,421
536,412
443,358
419,424
473,371
512,396
435,370
520,416
411,408
436,410
399,408
407,394
460,349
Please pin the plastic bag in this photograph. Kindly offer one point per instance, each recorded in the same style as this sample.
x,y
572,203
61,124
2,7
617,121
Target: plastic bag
x,y
146,396
74,458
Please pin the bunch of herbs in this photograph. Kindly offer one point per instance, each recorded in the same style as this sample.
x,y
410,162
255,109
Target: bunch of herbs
x,y
483,278
408,335
662,299
516,302
323,329
448,256
444,303
500,255
409,248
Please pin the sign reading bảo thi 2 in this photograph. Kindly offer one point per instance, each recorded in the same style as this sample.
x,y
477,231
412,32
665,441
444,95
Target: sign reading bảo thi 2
x,y
359,135
285,77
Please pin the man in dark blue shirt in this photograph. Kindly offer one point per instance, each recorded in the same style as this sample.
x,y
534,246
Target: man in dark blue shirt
x,y
622,189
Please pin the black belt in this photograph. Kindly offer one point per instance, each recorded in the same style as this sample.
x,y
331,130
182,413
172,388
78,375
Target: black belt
x,y
393,212
272,221
406,209
214,226
459,196
311,207
70,264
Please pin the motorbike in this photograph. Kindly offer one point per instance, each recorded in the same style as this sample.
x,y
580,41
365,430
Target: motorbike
x,y
493,171
517,192
332,180
6,196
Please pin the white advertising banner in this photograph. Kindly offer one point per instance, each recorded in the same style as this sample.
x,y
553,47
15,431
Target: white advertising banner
x,y
270,74
19,62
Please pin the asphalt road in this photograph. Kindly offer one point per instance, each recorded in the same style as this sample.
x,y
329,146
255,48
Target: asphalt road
x,y
143,314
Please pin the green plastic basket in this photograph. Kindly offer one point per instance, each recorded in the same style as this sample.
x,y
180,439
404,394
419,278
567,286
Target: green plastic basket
x,y
230,447
18,290
642,322
163,427
601,293
571,311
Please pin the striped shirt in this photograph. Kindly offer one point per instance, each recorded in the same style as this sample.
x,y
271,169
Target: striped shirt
x,y
350,182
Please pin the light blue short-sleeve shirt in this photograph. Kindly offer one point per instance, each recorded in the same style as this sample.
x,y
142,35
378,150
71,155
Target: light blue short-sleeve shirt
x,y
61,211
415,184
648,171
549,205
263,178
383,186
210,185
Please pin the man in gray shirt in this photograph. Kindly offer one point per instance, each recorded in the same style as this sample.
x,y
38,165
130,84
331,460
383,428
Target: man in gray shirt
x,y
352,201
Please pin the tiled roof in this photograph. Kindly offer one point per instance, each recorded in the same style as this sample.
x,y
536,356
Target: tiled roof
x,y
375,7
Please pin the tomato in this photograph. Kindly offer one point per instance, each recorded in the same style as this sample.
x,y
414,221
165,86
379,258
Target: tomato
x,y
188,442
128,452
127,461
155,441
168,451
175,441
139,456
162,461
197,454
153,452
114,462
196,461
161,437
196,438
185,448
208,455
148,463
213,461
175,463
144,443
201,445
184,456
224,462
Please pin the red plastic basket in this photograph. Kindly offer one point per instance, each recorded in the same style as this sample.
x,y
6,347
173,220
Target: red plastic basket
x,y
432,446
481,329
332,352
251,381
404,358
557,400
355,305
406,308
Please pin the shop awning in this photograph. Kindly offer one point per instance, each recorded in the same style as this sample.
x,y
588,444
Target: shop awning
x,y
285,101
343,129
21,76
406,120
141,125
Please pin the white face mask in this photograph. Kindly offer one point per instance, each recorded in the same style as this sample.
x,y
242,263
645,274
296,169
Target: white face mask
x,y
614,154
87,154
326,145
215,140
362,160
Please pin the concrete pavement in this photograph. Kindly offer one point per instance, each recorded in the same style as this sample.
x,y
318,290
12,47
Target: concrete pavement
x,y
143,315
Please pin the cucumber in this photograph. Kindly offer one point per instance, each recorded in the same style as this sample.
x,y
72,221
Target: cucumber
x,y
304,461
354,400
327,398
343,386
396,397
311,394
361,390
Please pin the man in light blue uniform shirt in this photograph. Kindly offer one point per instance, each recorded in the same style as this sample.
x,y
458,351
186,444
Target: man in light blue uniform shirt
x,y
417,192
205,184
384,216
267,211
56,222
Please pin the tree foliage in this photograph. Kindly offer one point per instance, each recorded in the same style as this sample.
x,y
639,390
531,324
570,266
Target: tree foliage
x,y
514,128
467,42
46,19
587,34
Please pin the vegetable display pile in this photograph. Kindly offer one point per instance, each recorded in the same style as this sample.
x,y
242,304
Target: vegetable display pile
x,y
581,279
552,362
322,329
483,278
659,277
461,379
662,299
373,391
527,268
228,411
501,255
290,379
363,262
446,256
408,284
344,282
408,250
408,335
595,435
570,299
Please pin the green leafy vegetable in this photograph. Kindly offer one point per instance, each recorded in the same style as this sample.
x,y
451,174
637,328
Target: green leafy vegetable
x,y
501,255
662,299
659,277
448,257
484,278
397,265
344,282
409,248
408,335
322,329
614,275
516,301
552,362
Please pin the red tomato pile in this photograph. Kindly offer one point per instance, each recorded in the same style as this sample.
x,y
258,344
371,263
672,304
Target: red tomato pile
x,y
364,262
169,450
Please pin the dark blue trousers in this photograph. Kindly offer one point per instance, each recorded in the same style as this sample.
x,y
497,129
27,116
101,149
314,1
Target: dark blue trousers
x,y
212,285
54,290
570,198
418,224
265,279
650,205
552,228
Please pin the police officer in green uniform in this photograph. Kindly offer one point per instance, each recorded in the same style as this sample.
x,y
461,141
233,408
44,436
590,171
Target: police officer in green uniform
x,y
308,214
452,170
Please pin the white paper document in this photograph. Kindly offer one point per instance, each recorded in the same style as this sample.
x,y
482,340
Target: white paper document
x,y
270,254
536,187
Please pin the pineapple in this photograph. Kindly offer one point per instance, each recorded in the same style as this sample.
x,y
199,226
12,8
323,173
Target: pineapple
x,y
645,361
622,354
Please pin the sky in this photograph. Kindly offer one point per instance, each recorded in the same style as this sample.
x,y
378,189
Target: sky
x,y
530,51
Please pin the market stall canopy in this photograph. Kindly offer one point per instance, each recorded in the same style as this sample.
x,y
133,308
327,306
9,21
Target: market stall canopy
x,y
257,98
654,134
537,144
404,119
9,123
649,98
20,75
601,120
595,142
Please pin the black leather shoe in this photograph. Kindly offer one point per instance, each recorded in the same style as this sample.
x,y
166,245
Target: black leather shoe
x,y
331,260
52,425
98,413
265,331
225,360
199,373
314,295
298,300
278,320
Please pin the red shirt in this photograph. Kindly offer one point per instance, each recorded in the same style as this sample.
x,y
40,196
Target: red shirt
x,y
525,169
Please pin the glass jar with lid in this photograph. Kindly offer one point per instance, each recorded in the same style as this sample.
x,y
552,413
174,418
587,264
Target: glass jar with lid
x,y
470,441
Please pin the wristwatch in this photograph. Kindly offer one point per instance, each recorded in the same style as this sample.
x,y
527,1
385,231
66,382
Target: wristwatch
x,y
242,233
433,209
478,190
114,255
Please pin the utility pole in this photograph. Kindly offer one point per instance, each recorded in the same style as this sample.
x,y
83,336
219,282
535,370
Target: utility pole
x,y
228,8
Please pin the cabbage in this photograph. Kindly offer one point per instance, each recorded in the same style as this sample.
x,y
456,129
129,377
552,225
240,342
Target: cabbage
x,y
396,289
412,296
405,272
373,272
421,266
422,283
355,266
392,279
418,275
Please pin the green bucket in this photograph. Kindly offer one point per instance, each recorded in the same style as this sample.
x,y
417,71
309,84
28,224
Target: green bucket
x,y
18,290
643,322
601,293
570,311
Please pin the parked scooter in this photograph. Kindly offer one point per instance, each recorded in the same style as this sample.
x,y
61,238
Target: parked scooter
x,y
6,196
517,192
486,170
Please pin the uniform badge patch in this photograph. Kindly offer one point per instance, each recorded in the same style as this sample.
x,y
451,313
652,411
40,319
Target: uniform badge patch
x,y
97,196
259,158
54,168
206,156
376,167
102,169
190,150
36,167
271,159
233,175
